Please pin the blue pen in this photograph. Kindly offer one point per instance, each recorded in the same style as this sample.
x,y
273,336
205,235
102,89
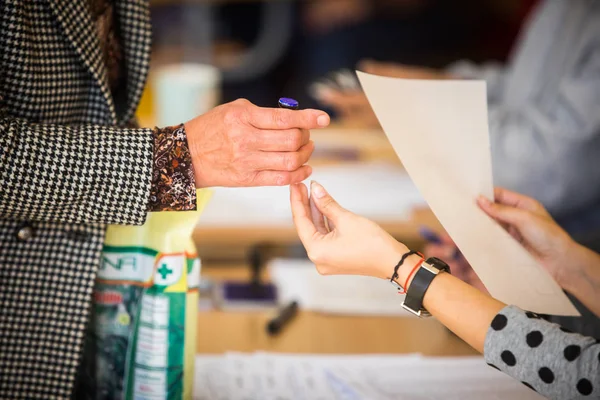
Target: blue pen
x,y
290,104
434,238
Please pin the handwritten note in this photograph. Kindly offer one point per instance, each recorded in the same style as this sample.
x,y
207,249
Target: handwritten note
x,y
269,376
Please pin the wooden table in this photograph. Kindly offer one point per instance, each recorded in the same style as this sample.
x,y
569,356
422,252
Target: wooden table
x,y
310,332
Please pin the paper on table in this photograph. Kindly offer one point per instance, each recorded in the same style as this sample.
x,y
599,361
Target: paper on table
x,y
211,379
336,294
439,130
391,197
360,377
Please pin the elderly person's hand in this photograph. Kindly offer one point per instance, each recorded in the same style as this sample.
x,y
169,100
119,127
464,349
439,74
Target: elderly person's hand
x,y
240,144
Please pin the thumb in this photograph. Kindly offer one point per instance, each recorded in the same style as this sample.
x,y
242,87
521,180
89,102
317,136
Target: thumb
x,y
512,216
325,203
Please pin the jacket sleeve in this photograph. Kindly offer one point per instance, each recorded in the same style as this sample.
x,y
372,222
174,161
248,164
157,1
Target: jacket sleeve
x,y
547,147
543,356
493,74
74,174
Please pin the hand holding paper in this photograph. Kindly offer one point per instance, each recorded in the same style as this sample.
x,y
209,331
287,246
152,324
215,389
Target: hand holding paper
x,y
439,131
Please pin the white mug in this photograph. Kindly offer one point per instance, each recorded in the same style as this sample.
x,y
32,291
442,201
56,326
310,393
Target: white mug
x,y
184,91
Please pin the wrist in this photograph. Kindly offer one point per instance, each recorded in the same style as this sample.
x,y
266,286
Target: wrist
x,y
406,269
573,268
397,250
391,257
199,178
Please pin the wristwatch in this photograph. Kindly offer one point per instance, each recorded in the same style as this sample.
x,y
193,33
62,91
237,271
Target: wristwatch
x,y
428,270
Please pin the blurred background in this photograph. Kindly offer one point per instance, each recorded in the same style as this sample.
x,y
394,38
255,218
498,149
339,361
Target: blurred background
x,y
266,49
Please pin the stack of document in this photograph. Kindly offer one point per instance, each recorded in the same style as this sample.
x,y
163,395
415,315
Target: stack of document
x,y
299,280
379,191
267,376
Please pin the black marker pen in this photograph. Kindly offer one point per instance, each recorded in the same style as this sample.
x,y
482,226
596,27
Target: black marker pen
x,y
284,315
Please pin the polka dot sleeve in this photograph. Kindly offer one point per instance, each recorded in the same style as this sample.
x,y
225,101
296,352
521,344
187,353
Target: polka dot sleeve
x,y
543,356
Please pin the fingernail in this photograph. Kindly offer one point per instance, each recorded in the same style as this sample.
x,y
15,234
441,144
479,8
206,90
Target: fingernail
x,y
323,120
317,190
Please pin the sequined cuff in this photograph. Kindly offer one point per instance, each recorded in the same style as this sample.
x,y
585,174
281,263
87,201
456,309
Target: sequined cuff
x,y
173,186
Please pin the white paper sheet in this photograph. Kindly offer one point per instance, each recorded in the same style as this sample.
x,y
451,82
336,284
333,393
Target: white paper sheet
x,y
212,379
336,294
439,130
364,377
378,191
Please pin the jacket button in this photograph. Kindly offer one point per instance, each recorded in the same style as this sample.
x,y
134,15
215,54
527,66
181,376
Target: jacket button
x,y
25,232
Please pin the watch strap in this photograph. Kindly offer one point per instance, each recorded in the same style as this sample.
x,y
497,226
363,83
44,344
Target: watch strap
x,y
413,301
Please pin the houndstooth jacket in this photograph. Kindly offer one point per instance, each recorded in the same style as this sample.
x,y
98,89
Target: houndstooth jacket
x,y
66,170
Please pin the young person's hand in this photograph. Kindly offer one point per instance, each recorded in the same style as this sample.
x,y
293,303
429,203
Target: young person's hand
x,y
530,224
338,241
395,70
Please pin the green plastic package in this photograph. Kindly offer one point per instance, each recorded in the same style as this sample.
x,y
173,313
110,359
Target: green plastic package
x,y
145,309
